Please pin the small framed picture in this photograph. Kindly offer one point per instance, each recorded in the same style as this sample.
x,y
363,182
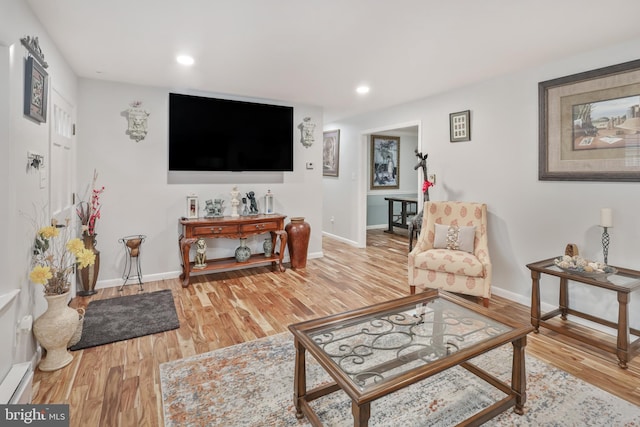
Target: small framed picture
x,y
460,126
35,91
192,207
331,153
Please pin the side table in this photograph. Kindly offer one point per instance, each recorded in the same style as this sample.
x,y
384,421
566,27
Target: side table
x,y
623,283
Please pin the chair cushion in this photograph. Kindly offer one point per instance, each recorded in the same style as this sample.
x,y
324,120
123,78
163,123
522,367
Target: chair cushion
x,y
450,261
454,237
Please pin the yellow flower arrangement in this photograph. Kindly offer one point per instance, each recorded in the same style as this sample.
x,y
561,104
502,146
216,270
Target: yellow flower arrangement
x,y
54,260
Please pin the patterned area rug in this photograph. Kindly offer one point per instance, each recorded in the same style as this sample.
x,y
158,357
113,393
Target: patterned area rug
x,y
251,384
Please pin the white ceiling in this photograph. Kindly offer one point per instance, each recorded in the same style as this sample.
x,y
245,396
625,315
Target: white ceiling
x,y
317,51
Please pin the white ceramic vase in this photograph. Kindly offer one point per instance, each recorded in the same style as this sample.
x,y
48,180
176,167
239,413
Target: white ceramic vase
x,y
53,330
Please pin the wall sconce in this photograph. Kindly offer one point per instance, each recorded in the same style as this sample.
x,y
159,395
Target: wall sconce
x,y
35,160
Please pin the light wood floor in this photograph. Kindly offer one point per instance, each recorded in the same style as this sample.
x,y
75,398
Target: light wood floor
x,y
118,384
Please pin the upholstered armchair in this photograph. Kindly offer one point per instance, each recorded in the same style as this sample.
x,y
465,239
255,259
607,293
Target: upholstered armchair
x,y
451,252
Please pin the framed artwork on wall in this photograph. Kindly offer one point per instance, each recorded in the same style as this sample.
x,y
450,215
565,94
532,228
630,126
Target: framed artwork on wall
x,y
589,125
35,91
385,162
460,126
331,153
192,207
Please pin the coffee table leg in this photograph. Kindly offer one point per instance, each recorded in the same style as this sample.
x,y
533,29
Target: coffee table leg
x,y
300,379
361,414
519,374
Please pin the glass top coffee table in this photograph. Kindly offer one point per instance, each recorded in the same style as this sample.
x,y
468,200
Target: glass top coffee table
x,y
376,350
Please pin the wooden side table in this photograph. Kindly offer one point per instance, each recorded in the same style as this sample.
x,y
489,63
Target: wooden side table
x,y
408,207
623,283
231,228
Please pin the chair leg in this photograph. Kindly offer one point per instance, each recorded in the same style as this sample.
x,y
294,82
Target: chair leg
x,y
412,290
485,302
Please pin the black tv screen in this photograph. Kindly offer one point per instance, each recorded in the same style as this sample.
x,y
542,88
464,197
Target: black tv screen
x,y
211,134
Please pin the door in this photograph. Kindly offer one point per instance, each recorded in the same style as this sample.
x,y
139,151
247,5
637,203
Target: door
x,y
62,164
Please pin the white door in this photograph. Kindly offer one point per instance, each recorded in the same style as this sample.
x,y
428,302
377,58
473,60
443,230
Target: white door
x,y
62,164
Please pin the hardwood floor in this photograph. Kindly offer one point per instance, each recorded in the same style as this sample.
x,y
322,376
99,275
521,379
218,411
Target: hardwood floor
x,y
118,384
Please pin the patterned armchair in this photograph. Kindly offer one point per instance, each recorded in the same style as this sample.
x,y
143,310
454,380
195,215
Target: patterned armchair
x,y
452,251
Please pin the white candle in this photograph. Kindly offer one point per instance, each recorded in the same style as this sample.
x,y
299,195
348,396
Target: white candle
x,y
606,217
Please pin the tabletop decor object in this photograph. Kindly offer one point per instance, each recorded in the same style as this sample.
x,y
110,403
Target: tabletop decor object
x,y
581,266
606,221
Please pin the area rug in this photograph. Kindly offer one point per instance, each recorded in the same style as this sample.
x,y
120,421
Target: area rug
x,y
123,318
251,384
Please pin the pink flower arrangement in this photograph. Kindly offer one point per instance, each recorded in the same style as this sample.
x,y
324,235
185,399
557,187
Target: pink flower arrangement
x,y
89,212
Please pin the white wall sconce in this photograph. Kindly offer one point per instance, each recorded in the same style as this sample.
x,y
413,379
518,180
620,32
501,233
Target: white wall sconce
x,y
307,128
137,119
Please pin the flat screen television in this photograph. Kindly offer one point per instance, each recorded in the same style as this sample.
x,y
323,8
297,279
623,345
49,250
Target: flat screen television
x,y
211,134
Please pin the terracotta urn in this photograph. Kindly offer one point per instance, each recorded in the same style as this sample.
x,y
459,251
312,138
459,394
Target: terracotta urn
x,y
298,232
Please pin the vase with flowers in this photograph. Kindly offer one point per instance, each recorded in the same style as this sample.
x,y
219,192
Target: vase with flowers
x,y
89,213
55,257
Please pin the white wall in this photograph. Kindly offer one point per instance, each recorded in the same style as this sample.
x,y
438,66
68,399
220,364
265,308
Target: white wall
x,y
21,187
138,197
529,219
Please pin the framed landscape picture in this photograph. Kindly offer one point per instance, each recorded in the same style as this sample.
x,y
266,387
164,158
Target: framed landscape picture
x,y
331,153
35,91
385,159
589,125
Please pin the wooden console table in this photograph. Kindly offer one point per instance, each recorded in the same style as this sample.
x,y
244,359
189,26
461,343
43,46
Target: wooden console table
x,y
409,206
623,283
231,228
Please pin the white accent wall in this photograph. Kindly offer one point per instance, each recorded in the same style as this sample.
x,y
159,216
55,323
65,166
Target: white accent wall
x,y
140,197
529,220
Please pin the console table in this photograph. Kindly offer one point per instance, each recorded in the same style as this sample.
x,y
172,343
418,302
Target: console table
x,y
408,206
231,228
623,282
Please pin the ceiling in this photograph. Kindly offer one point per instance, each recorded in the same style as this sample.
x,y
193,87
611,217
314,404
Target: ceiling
x,y
317,52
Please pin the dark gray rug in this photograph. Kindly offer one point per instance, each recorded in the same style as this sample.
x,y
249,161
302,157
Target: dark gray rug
x,y
122,318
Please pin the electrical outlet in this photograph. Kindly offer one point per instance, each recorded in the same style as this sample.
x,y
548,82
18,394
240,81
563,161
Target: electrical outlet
x,y
332,219
432,178
309,165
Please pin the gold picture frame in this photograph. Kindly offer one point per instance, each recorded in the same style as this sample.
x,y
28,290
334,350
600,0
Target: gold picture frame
x,y
589,125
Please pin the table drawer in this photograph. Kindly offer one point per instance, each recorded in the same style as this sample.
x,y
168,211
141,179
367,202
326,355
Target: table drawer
x,y
260,227
214,229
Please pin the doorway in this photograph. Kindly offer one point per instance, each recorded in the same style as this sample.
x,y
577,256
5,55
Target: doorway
x,y
414,127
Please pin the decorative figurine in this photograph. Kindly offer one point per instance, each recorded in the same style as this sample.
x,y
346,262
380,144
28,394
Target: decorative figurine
x,y
307,128
137,118
245,208
214,208
201,254
235,202
253,205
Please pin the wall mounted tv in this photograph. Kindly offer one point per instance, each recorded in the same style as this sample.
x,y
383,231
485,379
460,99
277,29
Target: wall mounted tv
x,y
211,134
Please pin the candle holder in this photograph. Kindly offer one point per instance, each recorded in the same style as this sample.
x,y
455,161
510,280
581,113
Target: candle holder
x,y
605,244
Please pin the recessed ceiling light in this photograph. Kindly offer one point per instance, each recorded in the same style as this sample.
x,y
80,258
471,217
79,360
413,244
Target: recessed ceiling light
x,y
184,59
362,90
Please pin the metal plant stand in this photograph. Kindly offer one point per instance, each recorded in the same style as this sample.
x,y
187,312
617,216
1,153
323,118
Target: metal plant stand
x,y
132,249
